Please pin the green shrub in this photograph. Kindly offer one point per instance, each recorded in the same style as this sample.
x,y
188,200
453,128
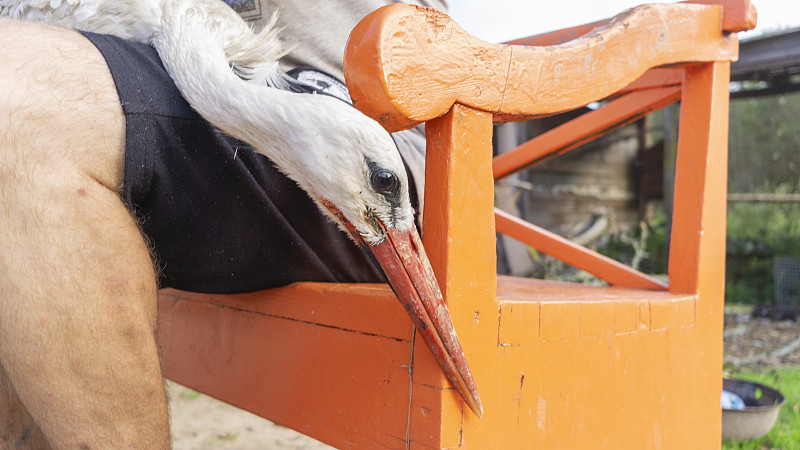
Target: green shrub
x,y
758,232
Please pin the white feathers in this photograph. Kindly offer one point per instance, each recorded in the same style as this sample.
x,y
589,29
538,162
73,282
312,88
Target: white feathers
x,y
222,68
132,20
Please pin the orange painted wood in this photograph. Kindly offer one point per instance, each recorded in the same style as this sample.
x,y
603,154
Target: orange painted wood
x,y
558,365
324,359
577,406
603,267
585,354
585,128
587,357
654,78
458,234
701,182
556,37
405,78
697,257
738,15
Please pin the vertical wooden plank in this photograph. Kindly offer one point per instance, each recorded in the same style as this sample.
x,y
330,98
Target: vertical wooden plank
x,y
459,238
697,253
698,228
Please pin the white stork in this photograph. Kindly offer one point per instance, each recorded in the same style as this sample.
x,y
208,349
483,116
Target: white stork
x,y
344,160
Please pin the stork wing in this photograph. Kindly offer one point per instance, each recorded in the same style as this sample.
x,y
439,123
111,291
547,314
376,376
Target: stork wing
x,y
131,20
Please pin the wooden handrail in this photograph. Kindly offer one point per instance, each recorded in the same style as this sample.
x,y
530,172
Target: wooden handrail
x,y
738,16
402,88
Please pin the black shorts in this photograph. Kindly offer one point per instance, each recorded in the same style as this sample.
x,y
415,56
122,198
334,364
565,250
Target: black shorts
x,y
220,217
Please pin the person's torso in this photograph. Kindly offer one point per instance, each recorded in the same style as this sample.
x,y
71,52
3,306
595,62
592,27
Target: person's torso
x,y
315,31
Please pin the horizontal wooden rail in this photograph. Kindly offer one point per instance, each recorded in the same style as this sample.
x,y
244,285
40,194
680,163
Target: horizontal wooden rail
x,y
557,37
583,129
653,78
603,267
737,16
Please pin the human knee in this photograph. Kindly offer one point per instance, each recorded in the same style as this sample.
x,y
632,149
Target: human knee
x,y
18,430
58,105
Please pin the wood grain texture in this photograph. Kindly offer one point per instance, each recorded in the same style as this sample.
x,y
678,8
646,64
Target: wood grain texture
x,y
402,78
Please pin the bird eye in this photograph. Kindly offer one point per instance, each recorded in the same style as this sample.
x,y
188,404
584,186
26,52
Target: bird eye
x,y
385,182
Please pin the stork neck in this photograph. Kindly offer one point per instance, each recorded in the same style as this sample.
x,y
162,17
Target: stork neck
x,y
269,119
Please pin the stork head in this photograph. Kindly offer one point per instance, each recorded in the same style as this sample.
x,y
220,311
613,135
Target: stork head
x,y
365,178
352,169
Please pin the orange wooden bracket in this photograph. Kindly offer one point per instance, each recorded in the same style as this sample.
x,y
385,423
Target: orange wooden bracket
x,y
613,272
616,114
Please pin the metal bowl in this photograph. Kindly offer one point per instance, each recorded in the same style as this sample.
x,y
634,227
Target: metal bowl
x,y
761,407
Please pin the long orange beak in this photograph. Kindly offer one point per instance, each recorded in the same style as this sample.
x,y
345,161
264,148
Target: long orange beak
x,y
403,260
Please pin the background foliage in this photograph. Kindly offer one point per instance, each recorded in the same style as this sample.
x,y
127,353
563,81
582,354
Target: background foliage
x,y
764,157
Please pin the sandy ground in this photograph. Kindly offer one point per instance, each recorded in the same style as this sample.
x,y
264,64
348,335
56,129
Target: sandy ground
x,y
199,422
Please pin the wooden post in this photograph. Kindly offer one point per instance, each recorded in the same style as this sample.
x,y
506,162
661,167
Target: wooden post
x,y
460,240
697,251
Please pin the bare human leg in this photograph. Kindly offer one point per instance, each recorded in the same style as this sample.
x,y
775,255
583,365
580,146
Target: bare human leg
x,y
17,429
77,288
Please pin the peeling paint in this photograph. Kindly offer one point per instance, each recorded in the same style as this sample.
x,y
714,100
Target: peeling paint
x,y
541,413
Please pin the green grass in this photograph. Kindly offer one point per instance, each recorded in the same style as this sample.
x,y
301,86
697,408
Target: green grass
x,y
785,435
189,394
228,437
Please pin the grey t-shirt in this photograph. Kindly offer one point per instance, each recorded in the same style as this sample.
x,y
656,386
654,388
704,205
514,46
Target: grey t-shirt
x,y
315,33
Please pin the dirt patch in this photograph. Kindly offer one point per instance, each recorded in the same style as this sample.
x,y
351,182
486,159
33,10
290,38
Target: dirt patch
x,y
754,342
